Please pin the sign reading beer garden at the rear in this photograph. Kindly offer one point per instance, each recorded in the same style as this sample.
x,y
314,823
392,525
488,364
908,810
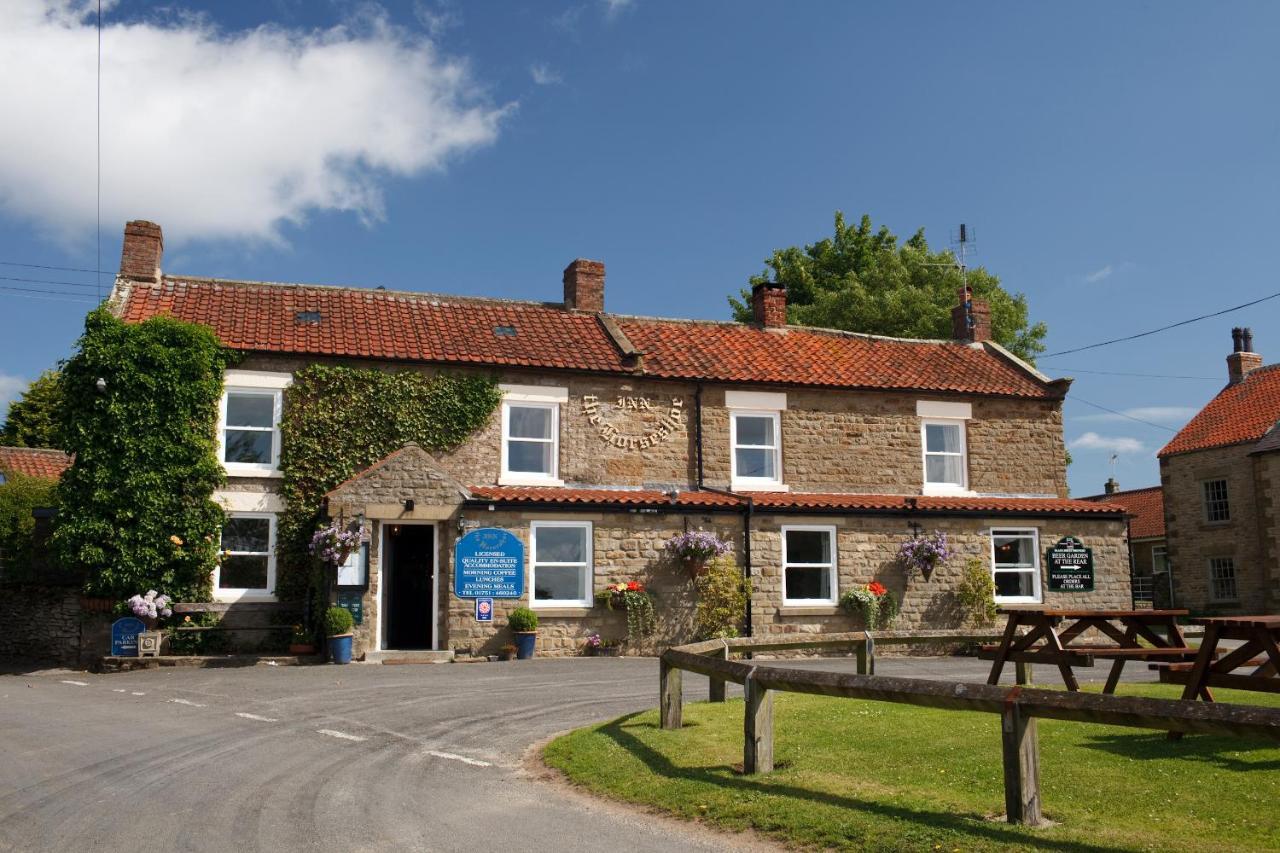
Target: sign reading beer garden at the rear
x,y
489,563
1070,566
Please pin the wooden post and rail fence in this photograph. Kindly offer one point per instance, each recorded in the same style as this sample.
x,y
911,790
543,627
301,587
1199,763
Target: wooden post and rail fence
x,y
1019,706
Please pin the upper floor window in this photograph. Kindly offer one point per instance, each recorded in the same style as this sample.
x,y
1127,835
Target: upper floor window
x,y
757,451
943,445
560,564
1222,579
1159,559
1216,505
248,565
809,564
249,427
1015,564
531,435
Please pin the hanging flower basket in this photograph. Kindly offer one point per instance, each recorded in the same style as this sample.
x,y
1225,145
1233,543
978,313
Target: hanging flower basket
x,y
693,549
333,544
632,598
924,553
874,603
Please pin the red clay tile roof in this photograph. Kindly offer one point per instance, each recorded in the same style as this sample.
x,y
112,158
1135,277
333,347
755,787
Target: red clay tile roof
x,y
358,322
1145,505
790,501
1241,412
34,462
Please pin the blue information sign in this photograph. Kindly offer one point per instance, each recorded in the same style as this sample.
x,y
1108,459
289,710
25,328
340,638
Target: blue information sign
x,y
489,563
484,609
124,637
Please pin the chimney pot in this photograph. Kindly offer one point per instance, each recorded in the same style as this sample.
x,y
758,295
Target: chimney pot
x,y
584,286
971,319
769,304
1236,335
1246,339
1111,486
142,251
1243,360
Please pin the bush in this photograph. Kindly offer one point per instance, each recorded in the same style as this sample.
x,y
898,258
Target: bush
x,y
977,594
722,599
522,619
19,496
337,620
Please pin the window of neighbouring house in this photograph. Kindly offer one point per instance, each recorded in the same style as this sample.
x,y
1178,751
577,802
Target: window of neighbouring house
x,y
808,565
560,565
1216,505
1015,564
757,449
1159,559
247,567
1222,579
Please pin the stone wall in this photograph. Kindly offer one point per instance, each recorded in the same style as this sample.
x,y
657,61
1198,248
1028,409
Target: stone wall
x,y
41,623
1192,540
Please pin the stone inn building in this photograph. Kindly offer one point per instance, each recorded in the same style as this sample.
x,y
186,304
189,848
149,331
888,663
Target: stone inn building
x,y
816,453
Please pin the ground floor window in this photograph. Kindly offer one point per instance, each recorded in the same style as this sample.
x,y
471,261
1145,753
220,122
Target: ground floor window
x,y
1015,564
808,565
560,566
1222,579
248,564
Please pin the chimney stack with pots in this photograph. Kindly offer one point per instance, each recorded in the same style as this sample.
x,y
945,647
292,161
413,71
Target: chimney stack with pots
x,y
1243,360
971,319
584,286
769,304
1111,486
142,252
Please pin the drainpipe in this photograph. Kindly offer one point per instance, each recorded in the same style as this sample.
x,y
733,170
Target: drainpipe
x,y
747,509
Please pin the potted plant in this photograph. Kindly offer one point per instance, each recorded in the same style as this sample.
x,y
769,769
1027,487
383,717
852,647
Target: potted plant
x,y
524,624
150,608
694,548
507,652
337,627
924,553
601,648
300,642
874,603
631,597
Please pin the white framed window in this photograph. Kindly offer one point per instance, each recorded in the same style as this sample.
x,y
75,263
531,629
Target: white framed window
x,y
1222,579
808,564
946,466
1217,506
249,422
756,441
561,573
1015,564
1159,559
247,568
530,443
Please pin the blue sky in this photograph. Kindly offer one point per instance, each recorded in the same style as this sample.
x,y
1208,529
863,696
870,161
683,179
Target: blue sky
x,y
1117,161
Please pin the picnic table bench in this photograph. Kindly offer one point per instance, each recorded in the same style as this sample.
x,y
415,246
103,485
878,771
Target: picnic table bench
x,y
1052,637
1259,651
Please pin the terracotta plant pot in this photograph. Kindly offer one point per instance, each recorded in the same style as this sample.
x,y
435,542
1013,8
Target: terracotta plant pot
x,y
302,648
696,566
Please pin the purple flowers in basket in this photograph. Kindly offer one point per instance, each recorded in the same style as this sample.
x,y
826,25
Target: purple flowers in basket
x,y
150,606
698,545
333,544
924,552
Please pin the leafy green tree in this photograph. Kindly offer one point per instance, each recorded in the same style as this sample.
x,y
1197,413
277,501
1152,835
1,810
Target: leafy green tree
x,y
33,418
20,496
862,280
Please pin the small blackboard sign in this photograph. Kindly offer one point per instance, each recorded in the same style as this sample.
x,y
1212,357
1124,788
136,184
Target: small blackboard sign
x,y
354,603
1070,566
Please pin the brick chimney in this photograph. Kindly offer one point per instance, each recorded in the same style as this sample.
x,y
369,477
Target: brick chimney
x,y
971,319
769,304
584,286
1243,360
1111,486
143,250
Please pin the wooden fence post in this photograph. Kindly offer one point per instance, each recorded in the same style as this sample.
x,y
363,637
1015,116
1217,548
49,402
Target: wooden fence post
x,y
670,695
1023,673
757,727
870,646
861,652
717,684
1021,763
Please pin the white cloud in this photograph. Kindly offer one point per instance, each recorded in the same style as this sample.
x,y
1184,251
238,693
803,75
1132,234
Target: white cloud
x,y
437,17
1116,444
11,388
614,8
1099,274
1160,414
222,135
544,75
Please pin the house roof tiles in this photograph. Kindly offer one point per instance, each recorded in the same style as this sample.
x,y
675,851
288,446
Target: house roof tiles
x,y
379,324
34,462
1145,505
1242,412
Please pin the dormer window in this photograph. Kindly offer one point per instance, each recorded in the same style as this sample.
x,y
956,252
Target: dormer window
x,y
943,446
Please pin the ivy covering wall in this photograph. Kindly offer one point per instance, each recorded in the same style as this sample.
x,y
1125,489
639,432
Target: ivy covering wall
x,y
135,510
339,420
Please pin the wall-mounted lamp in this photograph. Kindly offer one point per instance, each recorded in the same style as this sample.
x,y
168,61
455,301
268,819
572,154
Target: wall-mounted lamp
x,y
101,385
408,505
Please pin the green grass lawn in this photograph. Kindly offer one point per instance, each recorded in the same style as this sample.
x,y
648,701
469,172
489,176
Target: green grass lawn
x,y
880,776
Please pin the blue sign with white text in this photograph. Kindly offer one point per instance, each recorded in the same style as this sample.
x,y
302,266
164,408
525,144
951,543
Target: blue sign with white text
x,y
124,637
489,563
484,609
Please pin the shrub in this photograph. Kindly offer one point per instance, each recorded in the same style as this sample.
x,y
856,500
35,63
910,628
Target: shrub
x,y
722,599
19,496
976,593
522,619
337,620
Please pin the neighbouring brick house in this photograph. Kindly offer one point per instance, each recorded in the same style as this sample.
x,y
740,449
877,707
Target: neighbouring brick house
x,y
817,453
1219,475
1148,551
41,463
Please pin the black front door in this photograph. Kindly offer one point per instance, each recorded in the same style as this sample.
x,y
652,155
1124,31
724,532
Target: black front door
x,y
407,573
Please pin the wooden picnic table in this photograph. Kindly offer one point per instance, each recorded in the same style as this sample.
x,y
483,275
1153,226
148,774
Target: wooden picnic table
x,y
1259,651
1052,636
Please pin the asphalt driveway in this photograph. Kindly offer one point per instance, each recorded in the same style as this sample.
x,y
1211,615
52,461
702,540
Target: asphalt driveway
x,y
328,758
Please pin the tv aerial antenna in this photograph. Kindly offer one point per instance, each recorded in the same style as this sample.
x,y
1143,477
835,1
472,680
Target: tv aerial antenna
x,y
962,240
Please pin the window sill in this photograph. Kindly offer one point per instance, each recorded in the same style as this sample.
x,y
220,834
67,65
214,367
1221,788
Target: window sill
x,y
563,612
234,597
936,490
518,480
1000,602
747,486
240,471
809,610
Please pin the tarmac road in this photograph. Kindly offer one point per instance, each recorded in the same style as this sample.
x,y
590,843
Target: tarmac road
x,y
329,758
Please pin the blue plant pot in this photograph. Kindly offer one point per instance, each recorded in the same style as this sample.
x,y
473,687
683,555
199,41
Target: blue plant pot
x,y
340,649
525,641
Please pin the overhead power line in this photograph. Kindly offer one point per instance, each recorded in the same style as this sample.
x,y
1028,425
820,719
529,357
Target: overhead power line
x,y
1139,375
37,293
49,267
47,281
1161,329
1122,414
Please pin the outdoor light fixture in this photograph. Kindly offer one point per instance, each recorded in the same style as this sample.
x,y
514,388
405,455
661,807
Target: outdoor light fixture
x,y
101,385
408,505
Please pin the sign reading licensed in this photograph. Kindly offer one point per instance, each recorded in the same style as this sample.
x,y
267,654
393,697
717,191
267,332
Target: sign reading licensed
x,y
489,563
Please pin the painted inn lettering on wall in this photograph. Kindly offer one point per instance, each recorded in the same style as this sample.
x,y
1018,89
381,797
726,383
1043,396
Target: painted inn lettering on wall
x,y
670,423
